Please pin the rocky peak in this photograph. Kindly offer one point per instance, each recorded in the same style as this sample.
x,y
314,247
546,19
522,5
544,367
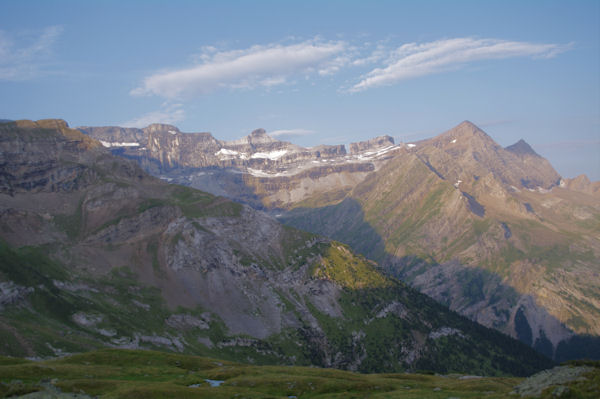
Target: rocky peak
x,y
260,136
467,130
258,133
372,144
581,183
521,148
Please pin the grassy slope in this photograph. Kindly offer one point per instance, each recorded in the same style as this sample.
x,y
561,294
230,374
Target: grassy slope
x,y
147,374
111,373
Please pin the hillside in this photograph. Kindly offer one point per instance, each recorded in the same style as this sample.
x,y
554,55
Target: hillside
x,y
98,253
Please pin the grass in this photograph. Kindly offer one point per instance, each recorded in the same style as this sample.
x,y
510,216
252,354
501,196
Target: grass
x,y
340,265
112,373
71,224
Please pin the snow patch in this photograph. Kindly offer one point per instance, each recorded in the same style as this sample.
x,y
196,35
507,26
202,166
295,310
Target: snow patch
x,y
542,190
410,145
261,173
453,141
108,144
273,155
172,132
226,152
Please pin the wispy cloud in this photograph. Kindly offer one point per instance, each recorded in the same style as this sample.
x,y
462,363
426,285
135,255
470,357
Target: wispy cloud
x,y
25,57
291,133
413,60
169,114
257,66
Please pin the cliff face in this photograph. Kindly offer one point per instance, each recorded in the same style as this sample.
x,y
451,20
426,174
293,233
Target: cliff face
x,y
275,174
95,252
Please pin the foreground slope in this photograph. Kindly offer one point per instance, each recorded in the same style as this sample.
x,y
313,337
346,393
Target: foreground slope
x,y
132,374
98,253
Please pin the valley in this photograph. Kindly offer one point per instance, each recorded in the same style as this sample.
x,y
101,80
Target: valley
x,y
493,233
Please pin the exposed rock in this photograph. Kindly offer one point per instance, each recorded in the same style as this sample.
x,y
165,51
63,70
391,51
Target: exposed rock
x,y
444,332
11,293
534,385
186,321
372,144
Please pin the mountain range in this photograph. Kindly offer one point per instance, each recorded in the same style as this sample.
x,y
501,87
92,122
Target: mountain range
x,y
95,252
494,233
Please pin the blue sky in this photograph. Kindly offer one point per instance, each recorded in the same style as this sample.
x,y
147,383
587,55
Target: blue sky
x,y
314,72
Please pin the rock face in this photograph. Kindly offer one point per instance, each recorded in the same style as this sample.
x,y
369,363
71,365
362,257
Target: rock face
x,y
95,252
372,145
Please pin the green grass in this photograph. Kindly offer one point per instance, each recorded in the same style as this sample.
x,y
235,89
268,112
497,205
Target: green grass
x,y
111,373
71,223
340,265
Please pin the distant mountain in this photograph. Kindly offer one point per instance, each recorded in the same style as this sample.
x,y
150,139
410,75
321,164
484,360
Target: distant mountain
x,y
522,148
203,162
95,252
494,233
491,232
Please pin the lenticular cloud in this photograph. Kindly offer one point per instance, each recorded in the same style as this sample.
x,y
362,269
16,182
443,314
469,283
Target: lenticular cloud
x,y
413,60
257,66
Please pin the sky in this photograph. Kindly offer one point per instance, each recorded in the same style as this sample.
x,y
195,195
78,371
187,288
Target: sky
x,y
314,72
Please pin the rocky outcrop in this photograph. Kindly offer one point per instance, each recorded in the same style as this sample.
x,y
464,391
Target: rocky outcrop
x,y
581,184
372,144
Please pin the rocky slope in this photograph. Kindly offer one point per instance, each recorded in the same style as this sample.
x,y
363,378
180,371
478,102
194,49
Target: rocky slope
x,y
95,252
495,233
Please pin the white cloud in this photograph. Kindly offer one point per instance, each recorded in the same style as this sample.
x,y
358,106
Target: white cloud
x,y
169,114
413,60
256,66
22,57
291,132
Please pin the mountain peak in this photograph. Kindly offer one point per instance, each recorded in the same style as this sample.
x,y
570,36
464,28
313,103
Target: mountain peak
x,y
521,147
260,136
259,133
466,131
